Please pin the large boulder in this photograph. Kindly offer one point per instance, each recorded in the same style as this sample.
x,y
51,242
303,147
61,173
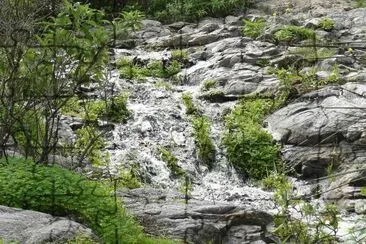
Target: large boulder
x,y
26,226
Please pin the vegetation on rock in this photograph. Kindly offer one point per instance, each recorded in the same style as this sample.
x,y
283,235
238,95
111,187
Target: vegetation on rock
x,y
51,189
254,28
249,147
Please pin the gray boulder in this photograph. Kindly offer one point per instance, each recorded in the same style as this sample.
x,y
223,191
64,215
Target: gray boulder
x,y
26,226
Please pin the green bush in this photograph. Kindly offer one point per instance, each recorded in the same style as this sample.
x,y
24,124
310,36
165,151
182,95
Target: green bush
x,y
293,33
191,10
172,162
249,147
51,189
254,29
204,144
327,24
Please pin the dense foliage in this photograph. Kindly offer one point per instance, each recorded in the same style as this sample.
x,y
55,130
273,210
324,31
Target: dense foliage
x,y
51,189
249,147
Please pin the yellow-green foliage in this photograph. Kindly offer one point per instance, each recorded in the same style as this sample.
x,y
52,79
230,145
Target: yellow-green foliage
x,y
360,3
179,55
255,28
114,109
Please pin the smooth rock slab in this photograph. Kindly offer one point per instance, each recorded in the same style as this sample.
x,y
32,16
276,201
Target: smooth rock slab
x,y
26,226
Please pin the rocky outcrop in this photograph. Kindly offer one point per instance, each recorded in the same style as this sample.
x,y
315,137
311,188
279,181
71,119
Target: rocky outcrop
x,y
28,227
166,213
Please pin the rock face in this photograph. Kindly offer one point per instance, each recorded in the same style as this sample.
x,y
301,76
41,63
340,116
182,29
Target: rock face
x,y
26,226
165,213
321,127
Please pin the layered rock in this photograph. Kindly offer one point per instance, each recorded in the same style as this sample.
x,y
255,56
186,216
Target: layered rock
x,y
173,215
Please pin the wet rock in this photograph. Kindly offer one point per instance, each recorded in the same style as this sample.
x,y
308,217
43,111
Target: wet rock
x,y
26,226
197,221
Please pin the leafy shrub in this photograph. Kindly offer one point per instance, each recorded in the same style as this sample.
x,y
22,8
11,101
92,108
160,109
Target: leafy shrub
x,y
293,33
172,162
327,24
254,29
60,192
249,147
191,109
204,144
191,10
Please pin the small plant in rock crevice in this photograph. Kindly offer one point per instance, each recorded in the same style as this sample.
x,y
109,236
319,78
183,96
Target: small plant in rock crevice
x,y
292,33
326,24
172,162
204,145
191,108
254,29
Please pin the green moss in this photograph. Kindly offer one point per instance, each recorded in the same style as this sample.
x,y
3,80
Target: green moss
x,y
172,162
254,29
250,148
51,189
